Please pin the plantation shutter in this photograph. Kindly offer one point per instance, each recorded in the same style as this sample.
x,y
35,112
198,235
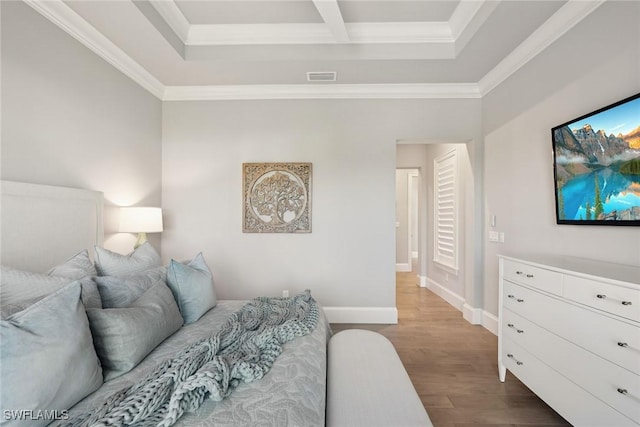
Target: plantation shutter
x,y
446,210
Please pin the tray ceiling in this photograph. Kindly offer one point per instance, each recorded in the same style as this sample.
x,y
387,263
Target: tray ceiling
x,y
236,49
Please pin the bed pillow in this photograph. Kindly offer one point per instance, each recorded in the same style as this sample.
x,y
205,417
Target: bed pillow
x,y
76,267
89,295
48,361
19,285
124,336
142,258
122,291
192,287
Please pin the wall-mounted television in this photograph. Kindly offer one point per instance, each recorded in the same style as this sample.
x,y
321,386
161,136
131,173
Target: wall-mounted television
x,y
596,159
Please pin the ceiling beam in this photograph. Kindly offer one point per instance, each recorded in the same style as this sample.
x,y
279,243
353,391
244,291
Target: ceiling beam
x,y
330,13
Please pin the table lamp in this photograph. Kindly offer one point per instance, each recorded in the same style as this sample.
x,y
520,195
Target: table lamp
x,y
141,220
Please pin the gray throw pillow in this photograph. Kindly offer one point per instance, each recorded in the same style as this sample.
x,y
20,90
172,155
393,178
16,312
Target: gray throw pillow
x,y
122,291
142,258
19,285
76,267
124,336
48,359
89,296
192,287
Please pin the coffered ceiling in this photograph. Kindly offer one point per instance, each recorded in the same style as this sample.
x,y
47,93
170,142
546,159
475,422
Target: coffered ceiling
x,y
253,49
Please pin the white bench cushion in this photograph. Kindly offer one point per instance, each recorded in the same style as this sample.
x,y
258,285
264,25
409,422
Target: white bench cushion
x,y
367,384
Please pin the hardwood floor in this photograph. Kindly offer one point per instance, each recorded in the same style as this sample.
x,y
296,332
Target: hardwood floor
x,y
453,365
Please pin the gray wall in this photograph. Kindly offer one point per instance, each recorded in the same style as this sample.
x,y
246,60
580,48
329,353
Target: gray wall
x,y
595,64
71,119
348,259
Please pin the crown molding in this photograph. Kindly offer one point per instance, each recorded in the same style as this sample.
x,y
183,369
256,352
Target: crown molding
x,y
467,19
463,15
74,25
323,91
173,16
332,31
332,17
557,25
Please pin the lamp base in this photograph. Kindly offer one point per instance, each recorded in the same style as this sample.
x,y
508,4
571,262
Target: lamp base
x,y
142,239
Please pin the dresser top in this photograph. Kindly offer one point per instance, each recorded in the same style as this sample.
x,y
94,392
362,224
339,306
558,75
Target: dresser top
x,y
582,266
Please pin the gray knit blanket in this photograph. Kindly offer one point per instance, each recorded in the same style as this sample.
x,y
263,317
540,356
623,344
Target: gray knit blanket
x,y
243,350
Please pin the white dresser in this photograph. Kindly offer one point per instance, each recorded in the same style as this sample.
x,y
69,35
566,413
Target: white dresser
x,y
570,330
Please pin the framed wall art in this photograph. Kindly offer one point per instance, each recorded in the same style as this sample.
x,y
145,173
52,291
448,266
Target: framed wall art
x,y
276,197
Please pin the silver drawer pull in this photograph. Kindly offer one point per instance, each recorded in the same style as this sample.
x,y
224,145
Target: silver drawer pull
x,y
626,302
601,296
511,356
623,391
511,296
520,273
520,300
623,344
512,326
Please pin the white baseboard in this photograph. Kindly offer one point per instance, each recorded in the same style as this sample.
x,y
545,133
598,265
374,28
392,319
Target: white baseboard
x,y
380,315
423,281
490,322
403,268
478,316
452,298
475,316
471,314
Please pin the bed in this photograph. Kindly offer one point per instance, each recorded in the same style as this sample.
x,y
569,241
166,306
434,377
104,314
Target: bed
x,y
46,226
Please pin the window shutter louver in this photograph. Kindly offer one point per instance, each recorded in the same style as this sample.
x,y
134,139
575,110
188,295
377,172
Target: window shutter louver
x,y
446,207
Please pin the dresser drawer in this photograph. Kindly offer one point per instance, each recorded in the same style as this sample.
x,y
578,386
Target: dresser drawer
x,y
539,278
605,336
575,404
605,380
618,300
528,303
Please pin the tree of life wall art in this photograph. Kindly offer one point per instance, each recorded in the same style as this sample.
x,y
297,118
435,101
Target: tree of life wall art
x,y
277,197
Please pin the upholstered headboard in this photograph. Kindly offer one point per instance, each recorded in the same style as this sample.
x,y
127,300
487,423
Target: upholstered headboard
x,y
42,225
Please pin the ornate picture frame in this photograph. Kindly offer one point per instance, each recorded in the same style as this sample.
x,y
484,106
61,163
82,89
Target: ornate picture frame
x,y
276,197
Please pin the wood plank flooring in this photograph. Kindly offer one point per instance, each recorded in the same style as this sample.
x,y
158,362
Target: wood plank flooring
x,y
453,365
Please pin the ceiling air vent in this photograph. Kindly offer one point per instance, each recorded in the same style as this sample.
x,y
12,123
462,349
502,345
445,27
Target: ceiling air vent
x,y
321,76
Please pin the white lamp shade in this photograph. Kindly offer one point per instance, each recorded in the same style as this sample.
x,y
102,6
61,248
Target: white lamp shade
x,y
140,220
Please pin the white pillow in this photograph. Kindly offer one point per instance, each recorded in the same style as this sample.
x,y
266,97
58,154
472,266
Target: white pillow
x,y
114,264
19,285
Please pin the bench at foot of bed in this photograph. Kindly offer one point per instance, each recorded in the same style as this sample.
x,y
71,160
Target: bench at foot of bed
x,y
367,384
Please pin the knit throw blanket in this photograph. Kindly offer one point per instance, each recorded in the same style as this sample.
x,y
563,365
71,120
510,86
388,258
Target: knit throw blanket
x,y
243,350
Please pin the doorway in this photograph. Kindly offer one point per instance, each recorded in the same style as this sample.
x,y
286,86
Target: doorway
x,y
407,219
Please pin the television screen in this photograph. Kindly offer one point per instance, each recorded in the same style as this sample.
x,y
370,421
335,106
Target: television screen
x,y
597,166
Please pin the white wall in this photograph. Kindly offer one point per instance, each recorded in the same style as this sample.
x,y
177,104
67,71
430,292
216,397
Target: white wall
x,y
349,258
71,119
403,255
595,64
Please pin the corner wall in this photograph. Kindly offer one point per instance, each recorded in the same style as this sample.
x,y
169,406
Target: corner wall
x,y
71,119
593,65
